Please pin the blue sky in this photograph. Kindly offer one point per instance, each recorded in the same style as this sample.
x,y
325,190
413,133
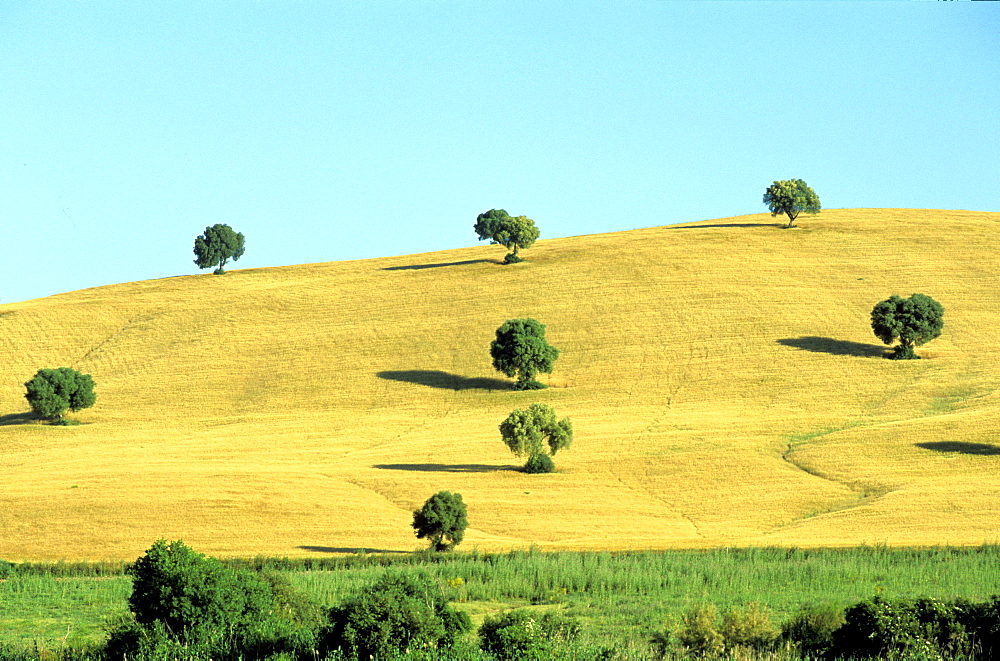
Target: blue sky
x,y
329,131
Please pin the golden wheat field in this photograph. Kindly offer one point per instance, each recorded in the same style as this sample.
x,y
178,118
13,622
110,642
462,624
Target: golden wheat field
x,y
722,377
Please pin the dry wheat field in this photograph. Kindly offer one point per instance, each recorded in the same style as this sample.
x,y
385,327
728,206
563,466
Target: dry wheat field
x,y
722,377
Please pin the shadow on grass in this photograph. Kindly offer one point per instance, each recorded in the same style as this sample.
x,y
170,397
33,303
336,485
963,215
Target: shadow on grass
x,y
439,379
20,419
448,468
417,267
961,447
834,347
339,549
698,227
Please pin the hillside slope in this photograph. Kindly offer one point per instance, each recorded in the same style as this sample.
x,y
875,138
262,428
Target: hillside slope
x,y
722,378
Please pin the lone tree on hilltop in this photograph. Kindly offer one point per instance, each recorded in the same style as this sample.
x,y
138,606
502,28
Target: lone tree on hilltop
x,y
442,520
52,391
521,351
527,433
914,321
217,246
791,197
514,233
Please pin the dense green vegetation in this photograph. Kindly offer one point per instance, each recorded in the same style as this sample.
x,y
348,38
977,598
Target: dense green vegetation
x,y
620,600
52,391
914,321
442,520
527,433
791,197
218,245
522,351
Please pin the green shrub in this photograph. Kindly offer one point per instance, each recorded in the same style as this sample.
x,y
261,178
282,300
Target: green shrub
x,y
699,633
522,634
910,628
442,520
398,612
52,391
539,463
750,628
812,628
184,603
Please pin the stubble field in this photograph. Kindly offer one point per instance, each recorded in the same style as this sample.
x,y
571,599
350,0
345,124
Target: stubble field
x,y
722,377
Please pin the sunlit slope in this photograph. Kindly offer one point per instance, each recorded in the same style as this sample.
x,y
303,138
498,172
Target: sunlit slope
x,y
722,378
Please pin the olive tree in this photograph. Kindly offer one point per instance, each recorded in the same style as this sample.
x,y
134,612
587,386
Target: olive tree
x,y
913,321
791,197
217,246
521,351
442,520
51,392
514,233
527,433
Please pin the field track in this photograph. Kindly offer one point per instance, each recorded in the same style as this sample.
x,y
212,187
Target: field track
x,y
722,377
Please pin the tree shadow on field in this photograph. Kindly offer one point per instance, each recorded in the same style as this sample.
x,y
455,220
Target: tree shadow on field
x,y
961,447
448,468
417,267
698,227
339,549
834,347
19,418
439,379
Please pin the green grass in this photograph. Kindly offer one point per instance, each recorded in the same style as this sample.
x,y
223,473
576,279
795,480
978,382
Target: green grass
x,y
620,597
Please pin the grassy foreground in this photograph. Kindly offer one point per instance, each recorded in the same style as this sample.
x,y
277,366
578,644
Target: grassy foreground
x,y
621,599
722,377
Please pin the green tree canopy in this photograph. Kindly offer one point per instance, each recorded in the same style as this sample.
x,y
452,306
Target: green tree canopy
x,y
521,351
442,520
527,433
398,612
914,321
187,605
514,233
217,246
791,197
52,391
188,592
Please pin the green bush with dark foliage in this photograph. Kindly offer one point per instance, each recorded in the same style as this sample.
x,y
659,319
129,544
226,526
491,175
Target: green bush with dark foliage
x,y
442,519
520,350
52,391
914,321
522,634
217,246
919,628
398,612
513,233
184,604
812,628
527,433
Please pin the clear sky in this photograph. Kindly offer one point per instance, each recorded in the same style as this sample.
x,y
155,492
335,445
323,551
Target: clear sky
x,y
343,130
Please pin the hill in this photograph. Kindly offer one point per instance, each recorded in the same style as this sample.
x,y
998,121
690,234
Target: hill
x,y
722,378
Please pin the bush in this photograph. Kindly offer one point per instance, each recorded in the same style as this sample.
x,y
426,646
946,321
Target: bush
x,y
398,612
812,628
748,628
522,634
698,631
910,628
539,463
183,600
442,520
52,391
